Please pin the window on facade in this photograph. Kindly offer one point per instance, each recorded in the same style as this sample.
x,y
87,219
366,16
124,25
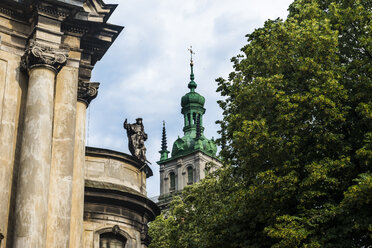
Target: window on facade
x,y
172,177
190,175
111,240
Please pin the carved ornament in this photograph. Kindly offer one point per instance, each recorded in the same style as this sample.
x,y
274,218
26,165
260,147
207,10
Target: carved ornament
x,y
37,55
116,229
87,91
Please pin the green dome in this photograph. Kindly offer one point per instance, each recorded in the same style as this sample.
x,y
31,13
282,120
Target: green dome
x,y
192,98
193,140
189,143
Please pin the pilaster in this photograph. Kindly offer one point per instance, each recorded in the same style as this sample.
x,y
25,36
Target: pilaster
x,y
86,92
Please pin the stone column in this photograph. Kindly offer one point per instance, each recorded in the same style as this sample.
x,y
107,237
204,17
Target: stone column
x,y
33,183
86,93
61,172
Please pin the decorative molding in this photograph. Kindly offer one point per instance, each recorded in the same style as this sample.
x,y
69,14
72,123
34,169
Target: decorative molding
x,y
10,12
39,55
74,28
52,11
7,11
87,91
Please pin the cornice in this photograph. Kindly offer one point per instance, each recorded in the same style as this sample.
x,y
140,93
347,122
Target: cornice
x,y
112,196
10,11
120,156
166,161
52,10
7,11
74,28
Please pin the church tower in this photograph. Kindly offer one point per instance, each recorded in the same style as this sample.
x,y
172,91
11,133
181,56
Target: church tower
x,y
191,153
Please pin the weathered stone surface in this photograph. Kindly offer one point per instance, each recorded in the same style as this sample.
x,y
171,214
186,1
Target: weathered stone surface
x,y
77,204
93,229
115,195
197,161
61,174
113,171
11,83
42,130
33,183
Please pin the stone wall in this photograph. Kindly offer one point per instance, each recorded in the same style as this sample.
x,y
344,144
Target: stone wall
x,y
115,168
115,198
197,160
47,52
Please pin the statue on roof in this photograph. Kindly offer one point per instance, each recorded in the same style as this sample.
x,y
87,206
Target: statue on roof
x,y
136,139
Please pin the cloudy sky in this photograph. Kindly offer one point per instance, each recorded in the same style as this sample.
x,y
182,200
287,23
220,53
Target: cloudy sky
x,y
146,71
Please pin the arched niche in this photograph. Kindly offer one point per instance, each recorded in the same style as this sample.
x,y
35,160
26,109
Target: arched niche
x,y
113,232
172,180
188,174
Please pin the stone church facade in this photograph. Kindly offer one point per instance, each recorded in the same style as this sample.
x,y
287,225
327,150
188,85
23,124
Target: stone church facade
x,y
55,192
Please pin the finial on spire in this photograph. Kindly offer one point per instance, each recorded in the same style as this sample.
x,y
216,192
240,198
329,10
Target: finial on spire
x,y
191,53
192,85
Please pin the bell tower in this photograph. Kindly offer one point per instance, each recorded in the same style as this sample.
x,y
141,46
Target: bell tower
x,y
191,153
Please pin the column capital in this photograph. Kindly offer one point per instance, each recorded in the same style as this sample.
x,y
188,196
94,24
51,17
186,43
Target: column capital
x,y
38,55
87,91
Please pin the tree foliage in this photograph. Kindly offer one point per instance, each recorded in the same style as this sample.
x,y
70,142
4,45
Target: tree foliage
x,y
296,138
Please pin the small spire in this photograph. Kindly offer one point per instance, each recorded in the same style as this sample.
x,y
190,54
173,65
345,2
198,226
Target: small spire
x,y
164,139
192,85
164,152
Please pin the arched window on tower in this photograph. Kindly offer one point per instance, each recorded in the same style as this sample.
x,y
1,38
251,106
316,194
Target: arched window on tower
x,y
111,240
190,175
193,118
172,178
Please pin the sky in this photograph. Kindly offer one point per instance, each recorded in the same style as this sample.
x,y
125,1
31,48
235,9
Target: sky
x,y
146,70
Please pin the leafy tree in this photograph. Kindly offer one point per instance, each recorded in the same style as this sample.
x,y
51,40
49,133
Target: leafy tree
x,y
199,217
296,137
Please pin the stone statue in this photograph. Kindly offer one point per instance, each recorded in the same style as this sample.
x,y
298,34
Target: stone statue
x,y
136,137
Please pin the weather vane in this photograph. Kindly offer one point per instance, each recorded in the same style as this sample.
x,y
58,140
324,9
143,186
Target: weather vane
x,y
191,53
